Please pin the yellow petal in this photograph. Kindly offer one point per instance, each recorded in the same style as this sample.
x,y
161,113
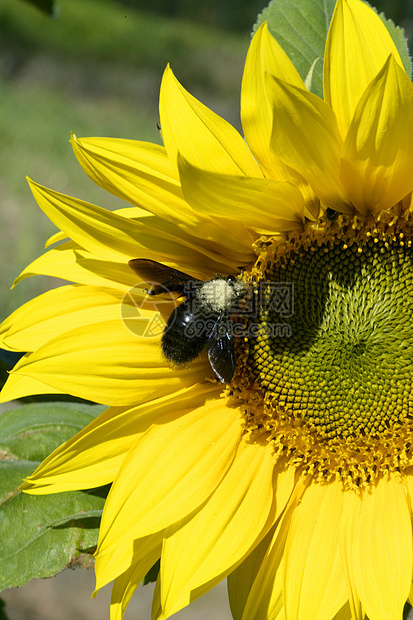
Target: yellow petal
x,y
265,205
93,456
261,579
265,55
314,582
204,248
305,136
378,151
348,548
240,581
131,556
408,483
19,386
55,312
108,364
344,613
69,262
265,597
201,136
142,173
126,584
169,472
385,551
106,234
59,236
112,237
156,611
200,551
377,548
138,172
358,44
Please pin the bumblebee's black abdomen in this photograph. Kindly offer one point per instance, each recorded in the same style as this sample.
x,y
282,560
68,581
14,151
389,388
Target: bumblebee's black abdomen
x,y
204,318
185,335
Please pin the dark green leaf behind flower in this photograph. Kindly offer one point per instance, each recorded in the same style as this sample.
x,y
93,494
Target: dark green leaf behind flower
x,y
42,535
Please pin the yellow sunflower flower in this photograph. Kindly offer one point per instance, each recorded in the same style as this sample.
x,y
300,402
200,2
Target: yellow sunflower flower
x,y
295,479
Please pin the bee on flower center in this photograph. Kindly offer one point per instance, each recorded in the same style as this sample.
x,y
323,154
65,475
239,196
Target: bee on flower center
x,y
202,320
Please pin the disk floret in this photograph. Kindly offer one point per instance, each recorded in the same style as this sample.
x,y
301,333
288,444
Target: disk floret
x,y
336,389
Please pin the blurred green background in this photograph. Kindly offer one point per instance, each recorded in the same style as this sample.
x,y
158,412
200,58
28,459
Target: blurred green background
x,y
95,68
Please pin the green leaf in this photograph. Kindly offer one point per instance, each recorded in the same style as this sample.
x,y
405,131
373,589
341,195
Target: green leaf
x,y
43,534
47,6
3,615
301,26
406,611
152,574
400,41
12,475
33,431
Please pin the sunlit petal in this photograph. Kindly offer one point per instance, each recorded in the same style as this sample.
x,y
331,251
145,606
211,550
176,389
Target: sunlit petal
x,y
289,254
207,545
263,205
107,363
138,172
201,449
358,44
126,584
202,137
377,552
95,455
260,578
314,583
264,56
40,319
305,136
377,154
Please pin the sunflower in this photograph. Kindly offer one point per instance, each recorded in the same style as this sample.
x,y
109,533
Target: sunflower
x,y
295,479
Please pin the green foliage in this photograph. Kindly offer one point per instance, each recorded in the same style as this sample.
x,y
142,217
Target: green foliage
x,y
33,431
400,41
44,5
43,534
301,26
3,615
130,38
236,15
240,14
152,574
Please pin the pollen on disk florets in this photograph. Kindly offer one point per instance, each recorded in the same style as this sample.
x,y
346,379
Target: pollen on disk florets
x,y
334,391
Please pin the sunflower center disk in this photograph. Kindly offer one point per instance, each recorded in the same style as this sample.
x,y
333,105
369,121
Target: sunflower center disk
x,y
333,351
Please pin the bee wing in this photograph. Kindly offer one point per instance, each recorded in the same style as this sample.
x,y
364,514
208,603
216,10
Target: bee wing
x,y
162,276
221,350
